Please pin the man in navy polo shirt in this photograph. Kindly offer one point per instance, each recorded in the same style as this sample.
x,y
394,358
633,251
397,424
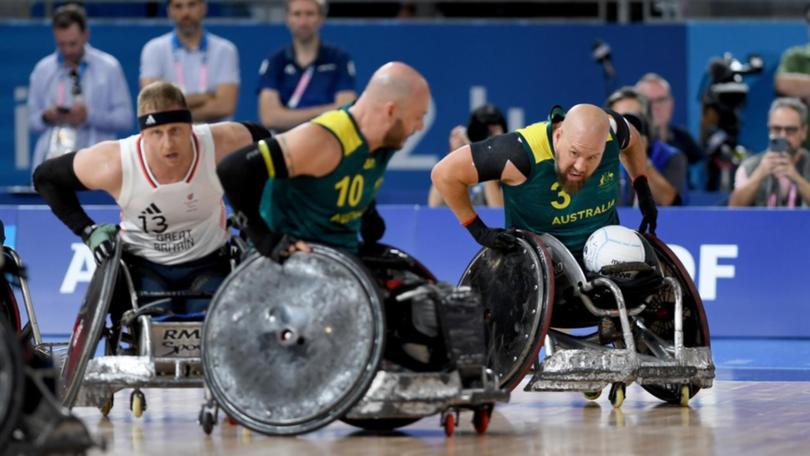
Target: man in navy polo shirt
x,y
306,78
204,66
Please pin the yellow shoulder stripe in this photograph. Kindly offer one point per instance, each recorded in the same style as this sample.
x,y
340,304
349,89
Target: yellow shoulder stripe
x,y
342,126
535,135
268,160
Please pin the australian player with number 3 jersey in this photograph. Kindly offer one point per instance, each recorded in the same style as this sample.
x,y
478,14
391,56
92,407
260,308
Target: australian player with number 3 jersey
x,y
164,181
559,177
317,182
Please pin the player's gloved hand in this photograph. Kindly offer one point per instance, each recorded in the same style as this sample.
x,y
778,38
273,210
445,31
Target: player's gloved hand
x,y
101,240
372,225
494,238
646,204
275,246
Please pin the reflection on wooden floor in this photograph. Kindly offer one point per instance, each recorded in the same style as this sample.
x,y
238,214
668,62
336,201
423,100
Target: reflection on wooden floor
x,y
732,418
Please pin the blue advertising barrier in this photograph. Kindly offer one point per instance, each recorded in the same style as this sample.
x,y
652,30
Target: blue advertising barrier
x,y
750,265
523,67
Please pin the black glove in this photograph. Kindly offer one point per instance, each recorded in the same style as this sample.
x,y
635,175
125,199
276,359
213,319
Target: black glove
x,y
372,225
646,204
272,245
497,238
101,240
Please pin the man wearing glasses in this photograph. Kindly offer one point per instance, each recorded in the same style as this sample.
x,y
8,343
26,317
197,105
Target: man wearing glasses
x,y
658,92
779,177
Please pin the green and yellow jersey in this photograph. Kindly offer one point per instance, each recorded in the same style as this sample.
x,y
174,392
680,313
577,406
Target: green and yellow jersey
x,y
328,209
540,204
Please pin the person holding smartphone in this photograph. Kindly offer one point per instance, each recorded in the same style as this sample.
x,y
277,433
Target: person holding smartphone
x,y
77,95
780,176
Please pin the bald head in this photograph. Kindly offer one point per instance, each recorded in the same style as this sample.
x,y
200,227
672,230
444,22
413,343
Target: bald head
x,y
393,105
587,126
579,143
395,81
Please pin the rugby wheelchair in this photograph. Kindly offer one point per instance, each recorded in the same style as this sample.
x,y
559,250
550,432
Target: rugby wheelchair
x,y
31,419
151,345
373,340
650,329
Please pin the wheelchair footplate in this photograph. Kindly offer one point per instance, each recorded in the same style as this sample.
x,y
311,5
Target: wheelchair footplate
x,y
169,357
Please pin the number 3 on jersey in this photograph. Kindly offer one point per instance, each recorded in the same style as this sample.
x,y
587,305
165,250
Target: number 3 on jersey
x,y
350,188
564,198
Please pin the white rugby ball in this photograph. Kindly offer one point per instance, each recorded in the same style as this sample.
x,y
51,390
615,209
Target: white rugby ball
x,y
612,244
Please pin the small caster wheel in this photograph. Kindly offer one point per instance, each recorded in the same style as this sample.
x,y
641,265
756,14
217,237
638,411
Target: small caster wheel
x,y
617,394
481,419
207,422
137,403
592,395
449,423
685,392
106,406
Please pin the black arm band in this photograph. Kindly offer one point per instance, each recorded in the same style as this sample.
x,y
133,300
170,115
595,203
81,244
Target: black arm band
x,y
57,183
257,132
490,156
274,163
622,130
243,175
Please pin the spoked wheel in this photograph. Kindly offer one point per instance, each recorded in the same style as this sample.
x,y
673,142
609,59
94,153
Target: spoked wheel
x,y
380,425
617,395
481,418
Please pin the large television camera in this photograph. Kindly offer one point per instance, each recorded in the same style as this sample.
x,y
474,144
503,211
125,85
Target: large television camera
x,y
724,92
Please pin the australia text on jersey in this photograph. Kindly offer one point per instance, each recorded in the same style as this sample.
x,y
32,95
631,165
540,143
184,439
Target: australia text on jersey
x,y
583,213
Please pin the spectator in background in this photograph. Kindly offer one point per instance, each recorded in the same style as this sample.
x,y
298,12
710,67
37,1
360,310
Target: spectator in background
x,y
485,121
204,66
657,91
666,167
78,95
792,77
307,77
777,178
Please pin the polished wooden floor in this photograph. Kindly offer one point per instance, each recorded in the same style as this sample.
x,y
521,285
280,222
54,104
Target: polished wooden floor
x,y
732,418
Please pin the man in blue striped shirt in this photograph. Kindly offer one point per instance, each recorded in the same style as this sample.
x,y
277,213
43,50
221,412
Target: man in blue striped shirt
x,y
78,95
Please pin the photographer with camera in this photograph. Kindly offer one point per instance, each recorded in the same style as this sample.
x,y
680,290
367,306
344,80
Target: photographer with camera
x,y
779,177
666,165
723,95
485,121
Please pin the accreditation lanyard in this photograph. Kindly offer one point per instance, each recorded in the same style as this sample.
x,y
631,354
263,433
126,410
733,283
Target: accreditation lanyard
x,y
61,89
180,74
301,87
773,199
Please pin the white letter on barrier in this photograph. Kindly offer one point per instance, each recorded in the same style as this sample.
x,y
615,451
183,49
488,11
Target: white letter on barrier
x,y
710,271
686,258
81,268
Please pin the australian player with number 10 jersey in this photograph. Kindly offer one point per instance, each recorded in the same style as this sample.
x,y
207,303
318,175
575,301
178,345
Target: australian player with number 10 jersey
x,y
317,182
559,177
164,181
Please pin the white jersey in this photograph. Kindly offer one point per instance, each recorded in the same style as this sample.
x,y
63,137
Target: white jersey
x,y
171,223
